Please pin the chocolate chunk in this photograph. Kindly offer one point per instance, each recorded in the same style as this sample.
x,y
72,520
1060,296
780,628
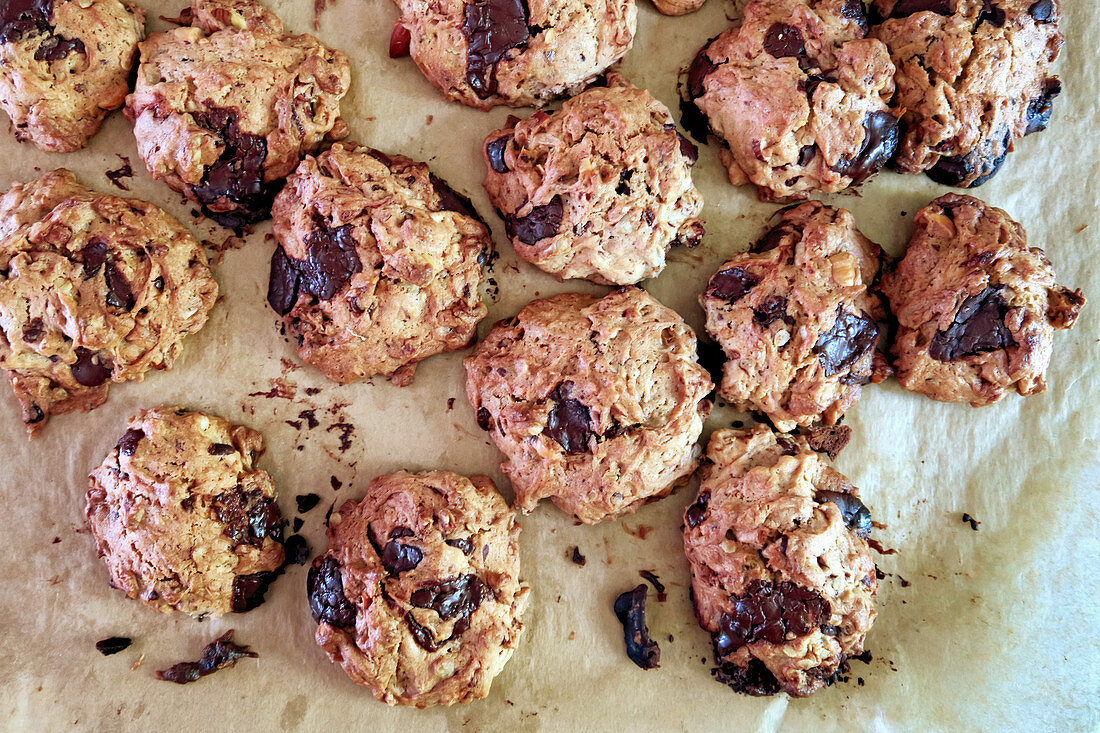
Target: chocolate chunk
x,y
158,283
688,149
576,557
856,11
400,39
221,449
905,8
991,14
451,200
249,516
752,679
967,519
36,415
127,444
399,558
979,326
711,357
282,285
543,221
216,655
830,439
484,419
784,41
652,579
1042,11
492,28
452,599
955,170
624,182
249,590
851,336
331,262
786,446
465,546
880,139
55,48
856,516
692,118
569,421
119,293
630,610
769,612
494,151
1039,109
237,176
327,601
306,502
732,284
33,330
806,153
93,255
777,235
20,18
91,368
422,635
112,645
697,512
296,548
771,310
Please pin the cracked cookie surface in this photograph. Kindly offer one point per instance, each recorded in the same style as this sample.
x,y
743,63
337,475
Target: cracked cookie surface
x,y
596,404
976,307
418,596
183,518
781,572
598,190
94,289
378,264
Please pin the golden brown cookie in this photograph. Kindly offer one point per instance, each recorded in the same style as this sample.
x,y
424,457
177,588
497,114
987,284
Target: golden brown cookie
x,y
418,596
183,518
94,289
781,573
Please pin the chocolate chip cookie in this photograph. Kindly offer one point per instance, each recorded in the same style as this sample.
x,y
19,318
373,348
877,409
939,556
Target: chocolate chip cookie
x,y
598,190
973,77
781,573
976,308
596,404
796,96
182,516
490,52
94,289
64,65
378,264
224,110
795,316
418,596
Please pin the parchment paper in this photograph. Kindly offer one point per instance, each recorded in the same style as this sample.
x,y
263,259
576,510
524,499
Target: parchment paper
x,y
992,629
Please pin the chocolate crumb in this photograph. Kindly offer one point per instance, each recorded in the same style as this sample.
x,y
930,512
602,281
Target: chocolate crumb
x,y
218,654
967,519
297,524
297,549
336,483
124,171
630,610
830,439
576,557
306,502
112,645
346,429
450,403
652,579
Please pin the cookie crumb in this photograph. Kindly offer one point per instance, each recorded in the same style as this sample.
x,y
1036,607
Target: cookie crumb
x,y
576,557
218,654
830,439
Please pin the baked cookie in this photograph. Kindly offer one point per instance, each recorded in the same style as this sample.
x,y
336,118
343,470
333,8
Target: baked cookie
x,y
224,110
677,7
796,96
378,264
598,190
64,64
183,518
973,77
489,52
781,573
596,404
976,308
93,289
795,316
418,596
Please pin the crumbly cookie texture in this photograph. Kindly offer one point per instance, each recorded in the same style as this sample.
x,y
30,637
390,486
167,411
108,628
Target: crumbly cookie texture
x,y
795,316
64,64
418,596
976,308
973,77
224,110
93,289
796,97
596,404
378,264
781,573
485,53
182,516
598,190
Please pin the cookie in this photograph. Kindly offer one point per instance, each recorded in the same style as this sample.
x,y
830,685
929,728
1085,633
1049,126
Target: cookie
x,y
182,516
64,64
224,110
976,308
781,573
598,190
973,77
94,289
378,264
484,53
596,404
418,596
677,7
796,97
795,316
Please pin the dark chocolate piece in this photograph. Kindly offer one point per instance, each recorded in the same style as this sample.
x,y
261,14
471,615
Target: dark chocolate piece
x,y
880,139
905,8
494,151
569,421
652,579
850,337
237,176
327,601
90,369
1042,11
306,502
124,171
221,449
543,221
249,590
492,28
127,444
249,516
576,557
754,679
967,519
399,558
1039,109
112,645
732,284
784,41
451,200
768,612
464,545
458,599
979,326
697,512
216,655
630,610
296,548
856,516
692,118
